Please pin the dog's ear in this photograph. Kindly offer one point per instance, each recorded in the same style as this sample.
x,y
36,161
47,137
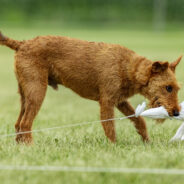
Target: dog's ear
x,y
143,72
159,66
175,63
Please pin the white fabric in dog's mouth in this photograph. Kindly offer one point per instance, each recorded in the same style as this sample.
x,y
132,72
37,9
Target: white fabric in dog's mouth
x,y
161,113
158,112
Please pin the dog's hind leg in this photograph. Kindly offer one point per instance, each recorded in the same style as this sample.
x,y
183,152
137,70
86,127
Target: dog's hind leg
x,y
34,95
107,112
22,110
139,122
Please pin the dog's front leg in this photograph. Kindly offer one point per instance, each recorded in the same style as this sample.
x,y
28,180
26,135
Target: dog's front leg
x,y
107,112
139,122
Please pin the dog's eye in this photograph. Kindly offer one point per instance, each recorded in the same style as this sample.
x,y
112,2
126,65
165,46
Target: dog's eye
x,y
169,88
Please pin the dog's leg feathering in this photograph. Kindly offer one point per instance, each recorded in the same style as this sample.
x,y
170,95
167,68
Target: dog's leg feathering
x,y
32,106
139,122
107,112
22,110
33,92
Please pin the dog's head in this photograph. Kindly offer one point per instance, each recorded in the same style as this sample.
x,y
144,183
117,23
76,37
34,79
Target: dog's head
x,y
160,85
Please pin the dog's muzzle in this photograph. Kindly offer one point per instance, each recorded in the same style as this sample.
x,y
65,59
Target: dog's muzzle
x,y
176,112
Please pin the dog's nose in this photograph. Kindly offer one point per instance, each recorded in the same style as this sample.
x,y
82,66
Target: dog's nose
x,y
176,113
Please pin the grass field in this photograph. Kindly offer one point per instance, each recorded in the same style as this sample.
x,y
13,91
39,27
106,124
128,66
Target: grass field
x,y
87,145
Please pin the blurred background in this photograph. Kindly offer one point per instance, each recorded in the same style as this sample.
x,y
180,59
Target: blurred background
x,y
133,15
145,14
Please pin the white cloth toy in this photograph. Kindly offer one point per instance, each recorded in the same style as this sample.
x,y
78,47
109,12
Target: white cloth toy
x,y
161,113
155,113
140,109
158,112
179,134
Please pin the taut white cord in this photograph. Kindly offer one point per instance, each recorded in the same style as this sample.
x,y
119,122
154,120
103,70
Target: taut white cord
x,y
155,113
64,126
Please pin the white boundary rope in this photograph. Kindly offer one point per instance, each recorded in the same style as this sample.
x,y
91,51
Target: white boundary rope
x,y
94,169
64,126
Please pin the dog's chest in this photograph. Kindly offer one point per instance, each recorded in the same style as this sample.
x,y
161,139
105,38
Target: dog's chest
x,y
127,89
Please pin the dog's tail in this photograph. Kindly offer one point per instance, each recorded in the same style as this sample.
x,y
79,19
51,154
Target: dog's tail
x,y
13,44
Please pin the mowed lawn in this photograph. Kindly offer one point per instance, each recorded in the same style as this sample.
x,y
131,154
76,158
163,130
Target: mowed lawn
x,y
87,145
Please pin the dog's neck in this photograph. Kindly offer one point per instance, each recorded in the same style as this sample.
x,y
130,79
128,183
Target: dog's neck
x,y
137,72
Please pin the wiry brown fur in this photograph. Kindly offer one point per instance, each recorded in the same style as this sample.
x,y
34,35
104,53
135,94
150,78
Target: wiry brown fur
x,y
106,73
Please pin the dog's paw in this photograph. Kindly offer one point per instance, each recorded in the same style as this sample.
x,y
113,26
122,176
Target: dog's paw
x,y
24,138
146,139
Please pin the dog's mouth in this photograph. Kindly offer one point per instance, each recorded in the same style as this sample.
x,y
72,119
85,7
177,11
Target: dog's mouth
x,y
156,103
172,111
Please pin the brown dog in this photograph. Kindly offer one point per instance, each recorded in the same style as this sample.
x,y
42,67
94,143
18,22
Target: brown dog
x,y
107,73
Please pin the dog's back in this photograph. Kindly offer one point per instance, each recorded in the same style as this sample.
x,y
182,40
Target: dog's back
x,y
79,65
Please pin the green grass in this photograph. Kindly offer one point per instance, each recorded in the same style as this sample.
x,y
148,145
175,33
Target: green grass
x,y
87,145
